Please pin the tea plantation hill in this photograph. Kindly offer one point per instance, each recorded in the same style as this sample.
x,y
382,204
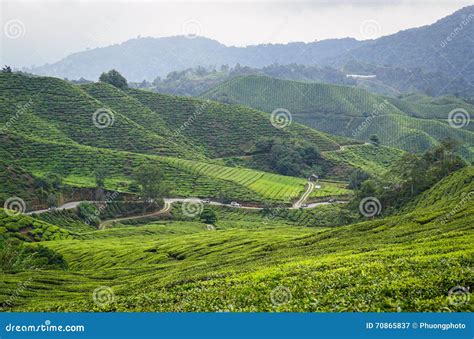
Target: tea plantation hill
x,y
406,262
414,123
47,127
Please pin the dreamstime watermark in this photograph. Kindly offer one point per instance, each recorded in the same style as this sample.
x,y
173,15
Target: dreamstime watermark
x,y
21,110
280,295
377,109
103,118
370,29
370,207
21,287
458,295
459,118
459,206
14,206
281,118
46,327
454,33
14,29
274,211
103,296
192,207
191,119
108,198
191,28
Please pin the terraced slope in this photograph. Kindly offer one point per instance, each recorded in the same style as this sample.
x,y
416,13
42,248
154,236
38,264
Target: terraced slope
x,y
353,112
402,263
223,130
77,165
54,109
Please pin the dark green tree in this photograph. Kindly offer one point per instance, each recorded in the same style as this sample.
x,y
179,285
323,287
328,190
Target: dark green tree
x,y
208,216
357,178
114,78
7,69
374,139
151,181
100,175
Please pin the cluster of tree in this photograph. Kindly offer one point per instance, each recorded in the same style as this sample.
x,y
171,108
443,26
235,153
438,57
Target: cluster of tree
x,y
49,188
7,69
410,176
208,216
114,78
291,157
196,80
148,181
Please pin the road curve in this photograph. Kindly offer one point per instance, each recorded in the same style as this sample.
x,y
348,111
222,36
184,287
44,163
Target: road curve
x,y
169,201
305,195
166,208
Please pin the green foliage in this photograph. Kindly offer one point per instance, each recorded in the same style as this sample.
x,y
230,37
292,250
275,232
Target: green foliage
x,y
28,229
68,219
414,258
6,69
353,112
89,213
100,175
151,180
114,78
208,216
15,257
410,176
357,178
293,158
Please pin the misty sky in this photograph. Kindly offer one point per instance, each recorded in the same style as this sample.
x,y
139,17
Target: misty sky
x,y
36,32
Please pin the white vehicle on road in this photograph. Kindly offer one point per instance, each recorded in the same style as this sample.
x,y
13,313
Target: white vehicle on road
x,y
234,204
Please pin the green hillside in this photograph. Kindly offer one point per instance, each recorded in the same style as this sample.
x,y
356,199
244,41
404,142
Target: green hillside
x,y
56,110
48,127
223,130
405,262
411,125
77,165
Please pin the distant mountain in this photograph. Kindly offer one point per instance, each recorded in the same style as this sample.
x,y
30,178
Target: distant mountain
x,y
433,60
413,124
147,58
446,47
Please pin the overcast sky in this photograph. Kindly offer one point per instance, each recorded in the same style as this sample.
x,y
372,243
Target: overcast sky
x,y
36,32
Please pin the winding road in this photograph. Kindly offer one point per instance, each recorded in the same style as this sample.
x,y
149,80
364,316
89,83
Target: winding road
x,y
305,195
169,201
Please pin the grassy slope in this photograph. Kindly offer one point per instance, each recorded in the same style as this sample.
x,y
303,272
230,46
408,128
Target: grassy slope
x,y
54,109
225,130
399,263
49,128
14,180
186,178
408,125
228,130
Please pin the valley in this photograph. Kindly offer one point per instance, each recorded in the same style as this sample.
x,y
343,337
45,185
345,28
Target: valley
x,y
180,174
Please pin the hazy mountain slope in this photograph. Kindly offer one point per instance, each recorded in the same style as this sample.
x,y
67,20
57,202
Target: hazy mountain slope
x,y
351,111
146,58
425,56
447,46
